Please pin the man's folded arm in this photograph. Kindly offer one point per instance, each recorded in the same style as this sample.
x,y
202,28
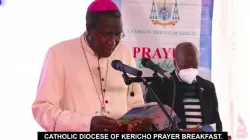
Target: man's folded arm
x,y
46,107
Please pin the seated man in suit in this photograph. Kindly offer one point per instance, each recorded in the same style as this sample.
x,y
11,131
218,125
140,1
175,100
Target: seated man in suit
x,y
195,99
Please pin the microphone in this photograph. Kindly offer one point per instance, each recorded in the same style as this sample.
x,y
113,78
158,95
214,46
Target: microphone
x,y
118,65
148,63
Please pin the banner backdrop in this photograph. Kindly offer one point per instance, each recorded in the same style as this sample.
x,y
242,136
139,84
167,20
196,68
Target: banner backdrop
x,y
153,29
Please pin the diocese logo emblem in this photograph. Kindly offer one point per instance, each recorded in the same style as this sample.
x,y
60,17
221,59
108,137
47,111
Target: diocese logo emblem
x,y
164,12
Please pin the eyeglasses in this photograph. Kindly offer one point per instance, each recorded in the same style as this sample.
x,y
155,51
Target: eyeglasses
x,y
106,37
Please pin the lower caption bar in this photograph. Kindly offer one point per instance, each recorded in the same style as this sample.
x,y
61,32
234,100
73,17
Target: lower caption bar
x,y
132,136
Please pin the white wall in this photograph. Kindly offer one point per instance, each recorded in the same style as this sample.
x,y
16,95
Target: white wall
x,y
29,27
240,60
230,66
221,59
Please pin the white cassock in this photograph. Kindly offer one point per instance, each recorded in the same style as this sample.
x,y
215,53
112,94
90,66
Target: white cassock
x,y
67,97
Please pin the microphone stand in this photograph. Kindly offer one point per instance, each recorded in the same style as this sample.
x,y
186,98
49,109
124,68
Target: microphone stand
x,y
127,81
171,128
130,80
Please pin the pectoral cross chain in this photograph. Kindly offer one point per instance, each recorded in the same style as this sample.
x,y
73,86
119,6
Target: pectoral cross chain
x,y
103,111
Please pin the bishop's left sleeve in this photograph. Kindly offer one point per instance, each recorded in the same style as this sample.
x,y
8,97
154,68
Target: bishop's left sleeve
x,y
134,95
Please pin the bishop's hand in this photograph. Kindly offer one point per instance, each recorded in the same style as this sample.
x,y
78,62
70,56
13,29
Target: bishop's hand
x,y
103,124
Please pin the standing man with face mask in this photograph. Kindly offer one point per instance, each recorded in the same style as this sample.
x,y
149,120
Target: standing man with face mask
x,y
195,100
78,89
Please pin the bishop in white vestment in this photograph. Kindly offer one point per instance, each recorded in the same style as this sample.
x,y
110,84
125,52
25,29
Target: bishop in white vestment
x,y
76,85
67,98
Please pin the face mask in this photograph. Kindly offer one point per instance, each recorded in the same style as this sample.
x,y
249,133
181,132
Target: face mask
x,y
187,75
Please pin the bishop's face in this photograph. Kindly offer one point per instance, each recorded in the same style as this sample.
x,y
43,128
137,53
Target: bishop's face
x,y
107,36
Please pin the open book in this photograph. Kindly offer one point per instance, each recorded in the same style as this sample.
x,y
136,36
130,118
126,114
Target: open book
x,y
152,111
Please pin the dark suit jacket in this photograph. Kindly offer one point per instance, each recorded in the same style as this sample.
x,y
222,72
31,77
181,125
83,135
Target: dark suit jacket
x,y
207,95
